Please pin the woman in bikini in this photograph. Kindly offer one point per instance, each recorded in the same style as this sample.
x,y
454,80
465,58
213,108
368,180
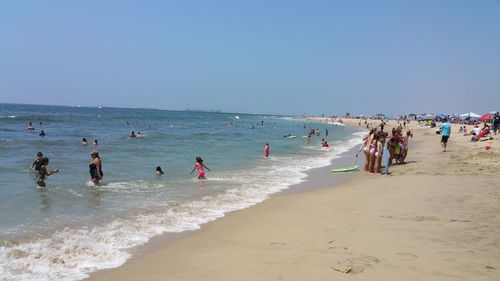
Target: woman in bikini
x,y
366,147
406,140
374,153
199,166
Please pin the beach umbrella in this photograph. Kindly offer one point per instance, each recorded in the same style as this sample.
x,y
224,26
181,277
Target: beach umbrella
x,y
486,117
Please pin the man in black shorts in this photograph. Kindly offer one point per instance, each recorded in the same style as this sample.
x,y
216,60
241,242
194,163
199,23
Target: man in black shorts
x,y
496,123
445,133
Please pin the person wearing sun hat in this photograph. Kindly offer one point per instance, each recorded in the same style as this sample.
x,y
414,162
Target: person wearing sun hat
x,y
95,168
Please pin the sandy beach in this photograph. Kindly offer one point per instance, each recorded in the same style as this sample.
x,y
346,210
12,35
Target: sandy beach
x,y
434,218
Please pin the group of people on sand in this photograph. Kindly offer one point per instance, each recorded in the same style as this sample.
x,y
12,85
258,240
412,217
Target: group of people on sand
x,y
374,143
480,134
477,133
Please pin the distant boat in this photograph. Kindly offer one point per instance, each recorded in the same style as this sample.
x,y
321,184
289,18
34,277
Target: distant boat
x,y
237,117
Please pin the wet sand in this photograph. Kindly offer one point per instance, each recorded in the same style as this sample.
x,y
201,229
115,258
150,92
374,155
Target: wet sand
x,y
434,218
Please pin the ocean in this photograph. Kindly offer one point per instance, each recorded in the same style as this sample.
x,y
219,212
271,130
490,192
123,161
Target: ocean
x,y
69,229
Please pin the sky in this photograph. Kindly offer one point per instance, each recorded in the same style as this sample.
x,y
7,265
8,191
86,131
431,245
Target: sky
x,y
274,57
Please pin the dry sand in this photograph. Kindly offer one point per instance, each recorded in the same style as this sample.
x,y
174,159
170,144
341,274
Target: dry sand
x,y
435,218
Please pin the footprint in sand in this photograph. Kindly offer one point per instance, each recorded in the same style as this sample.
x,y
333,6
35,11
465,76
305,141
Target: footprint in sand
x,y
408,254
355,265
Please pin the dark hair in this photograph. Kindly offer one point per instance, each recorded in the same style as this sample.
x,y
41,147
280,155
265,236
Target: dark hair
x,y
158,169
199,160
445,120
45,161
39,154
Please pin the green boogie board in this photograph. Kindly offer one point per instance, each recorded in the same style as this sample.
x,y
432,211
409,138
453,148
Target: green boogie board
x,y
345,169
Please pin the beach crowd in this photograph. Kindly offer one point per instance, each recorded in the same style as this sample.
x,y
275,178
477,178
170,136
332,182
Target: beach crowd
x,y
397,146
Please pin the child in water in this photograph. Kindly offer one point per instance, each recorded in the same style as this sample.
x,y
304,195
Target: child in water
x,y
43,173
158,171
199,166
266,150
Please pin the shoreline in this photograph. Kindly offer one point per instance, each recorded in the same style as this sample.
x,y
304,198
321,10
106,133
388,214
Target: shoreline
x,y
426,221
316,178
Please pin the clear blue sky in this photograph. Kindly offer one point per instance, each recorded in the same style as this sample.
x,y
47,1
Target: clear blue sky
x,y
288,57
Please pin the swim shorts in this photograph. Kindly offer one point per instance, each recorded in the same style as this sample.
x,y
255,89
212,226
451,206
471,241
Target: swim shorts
x,y
444,139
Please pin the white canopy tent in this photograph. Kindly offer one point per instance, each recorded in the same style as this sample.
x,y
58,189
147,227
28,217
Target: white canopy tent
x,y
469,114
428,116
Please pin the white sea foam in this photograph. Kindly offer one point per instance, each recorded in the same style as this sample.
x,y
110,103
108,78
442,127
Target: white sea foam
x,y
71,254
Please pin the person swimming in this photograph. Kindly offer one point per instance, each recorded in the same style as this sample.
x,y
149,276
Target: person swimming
x,y
199,166
42,133
30,127
95,142
158,171
85,141
132,135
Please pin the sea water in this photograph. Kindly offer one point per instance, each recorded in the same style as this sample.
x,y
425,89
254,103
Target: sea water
x,y
69,229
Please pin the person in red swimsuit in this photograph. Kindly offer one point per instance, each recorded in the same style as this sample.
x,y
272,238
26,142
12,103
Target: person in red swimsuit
x,y
199,166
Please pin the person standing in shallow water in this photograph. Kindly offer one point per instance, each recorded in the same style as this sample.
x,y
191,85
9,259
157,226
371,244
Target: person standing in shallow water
x,y
266,150
95,168
37,163
43,173
199,166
